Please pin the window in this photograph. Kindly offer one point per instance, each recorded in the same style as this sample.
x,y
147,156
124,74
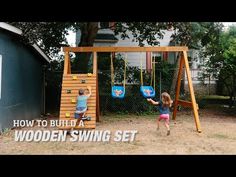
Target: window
x,y
0,75
104,25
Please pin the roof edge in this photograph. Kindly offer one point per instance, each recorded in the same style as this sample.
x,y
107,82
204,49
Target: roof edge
x,y
19,32
36,47
10,28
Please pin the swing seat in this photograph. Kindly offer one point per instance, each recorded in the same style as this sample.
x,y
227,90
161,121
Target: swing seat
x,y
144,90
118,92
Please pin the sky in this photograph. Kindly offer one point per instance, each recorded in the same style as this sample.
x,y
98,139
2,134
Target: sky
x,y
229,23
71,36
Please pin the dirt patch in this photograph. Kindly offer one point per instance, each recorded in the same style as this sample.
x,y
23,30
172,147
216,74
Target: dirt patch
x,y
218,137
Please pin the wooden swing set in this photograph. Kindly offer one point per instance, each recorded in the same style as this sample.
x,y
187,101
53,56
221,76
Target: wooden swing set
x,y
73,82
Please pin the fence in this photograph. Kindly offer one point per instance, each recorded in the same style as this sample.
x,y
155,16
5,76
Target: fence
x,y
133,102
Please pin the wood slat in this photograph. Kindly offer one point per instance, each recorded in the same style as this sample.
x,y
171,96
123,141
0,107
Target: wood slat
x,y
79,75
91,122
66,106
86,123
62,116
74,94
84,86
70,78
72,118
86,127
126,49
76,89
63,113
67,100
78,86
78,82
69,104
72,107
67,97
71,111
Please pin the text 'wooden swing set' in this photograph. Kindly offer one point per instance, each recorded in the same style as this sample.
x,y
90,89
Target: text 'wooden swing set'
x,y
73,82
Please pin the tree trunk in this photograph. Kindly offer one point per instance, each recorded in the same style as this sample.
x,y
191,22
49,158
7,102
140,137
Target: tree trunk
x,y
88,35
174,80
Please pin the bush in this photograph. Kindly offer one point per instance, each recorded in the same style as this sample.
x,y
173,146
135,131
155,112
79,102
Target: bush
x,y
133,102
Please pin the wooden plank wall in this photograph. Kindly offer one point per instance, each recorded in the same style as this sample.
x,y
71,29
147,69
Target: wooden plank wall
x,y
67,106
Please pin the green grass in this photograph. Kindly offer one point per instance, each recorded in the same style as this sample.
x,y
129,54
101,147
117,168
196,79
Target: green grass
x,y
219,136
115,117
215,97
209,100
6,131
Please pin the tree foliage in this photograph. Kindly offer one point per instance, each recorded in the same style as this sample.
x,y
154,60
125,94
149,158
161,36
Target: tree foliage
x,y
51,36
220,61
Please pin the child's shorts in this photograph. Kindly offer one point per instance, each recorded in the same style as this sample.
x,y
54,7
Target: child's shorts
x,y
80,110
165,117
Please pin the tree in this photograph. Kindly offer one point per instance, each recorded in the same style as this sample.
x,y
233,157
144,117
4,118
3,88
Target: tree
x,y
220,61
50,36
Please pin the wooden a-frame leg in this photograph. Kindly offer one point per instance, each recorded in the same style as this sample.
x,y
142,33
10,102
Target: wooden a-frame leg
x,y
178,86
193,100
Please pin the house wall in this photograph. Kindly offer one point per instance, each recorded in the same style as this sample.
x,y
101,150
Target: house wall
x,y
200,87
134,58
21,85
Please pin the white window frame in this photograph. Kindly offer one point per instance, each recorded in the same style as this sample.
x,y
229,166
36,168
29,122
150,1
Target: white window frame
x,y
0,76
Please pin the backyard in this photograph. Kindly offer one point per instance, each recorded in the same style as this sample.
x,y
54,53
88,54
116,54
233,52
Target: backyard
x,y
218,136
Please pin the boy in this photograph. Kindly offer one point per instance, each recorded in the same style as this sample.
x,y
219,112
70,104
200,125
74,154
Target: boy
x,y
81,106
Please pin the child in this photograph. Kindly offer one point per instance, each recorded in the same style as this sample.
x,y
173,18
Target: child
x,y
118,92
164,105
148,92
81,106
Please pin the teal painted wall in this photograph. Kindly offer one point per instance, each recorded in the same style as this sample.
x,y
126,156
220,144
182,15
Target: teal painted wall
x,y
22,81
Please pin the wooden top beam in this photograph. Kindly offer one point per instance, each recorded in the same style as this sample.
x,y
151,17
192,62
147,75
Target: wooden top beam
x,y
126,49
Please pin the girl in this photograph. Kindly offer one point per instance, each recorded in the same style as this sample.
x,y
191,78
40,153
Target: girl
x,y
164,105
